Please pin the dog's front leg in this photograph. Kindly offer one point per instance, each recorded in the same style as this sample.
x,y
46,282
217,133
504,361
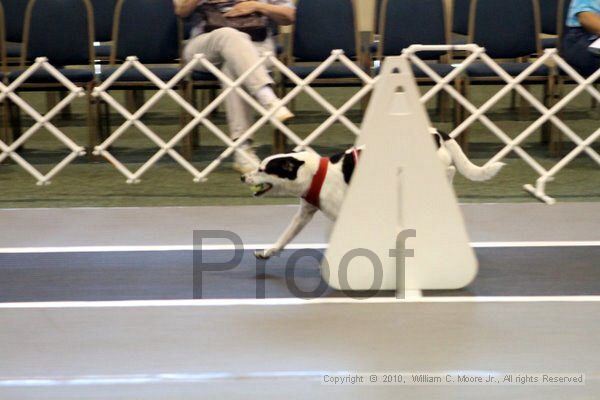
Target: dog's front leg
x,y
302,217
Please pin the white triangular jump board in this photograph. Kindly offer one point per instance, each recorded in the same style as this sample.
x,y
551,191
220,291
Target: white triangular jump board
x,y
399,184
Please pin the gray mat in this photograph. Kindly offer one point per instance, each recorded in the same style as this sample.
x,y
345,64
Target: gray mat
x,y
547,271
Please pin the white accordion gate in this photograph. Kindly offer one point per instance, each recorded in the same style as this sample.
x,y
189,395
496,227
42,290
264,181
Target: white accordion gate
x,y
40,121
200,117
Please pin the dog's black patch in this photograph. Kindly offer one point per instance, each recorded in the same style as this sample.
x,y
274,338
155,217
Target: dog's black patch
x,y
437,139
444,136
348,167
439,136
284,167
334,159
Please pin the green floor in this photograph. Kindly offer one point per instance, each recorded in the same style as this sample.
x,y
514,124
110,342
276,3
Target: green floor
x,y
88,183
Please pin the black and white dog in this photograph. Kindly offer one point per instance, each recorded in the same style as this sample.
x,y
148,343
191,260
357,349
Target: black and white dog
x,y
321,183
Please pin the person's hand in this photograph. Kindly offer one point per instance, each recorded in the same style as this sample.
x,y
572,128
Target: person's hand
x,y
243,8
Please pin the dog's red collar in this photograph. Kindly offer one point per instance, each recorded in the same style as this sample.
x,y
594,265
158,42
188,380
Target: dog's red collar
x,y
314,192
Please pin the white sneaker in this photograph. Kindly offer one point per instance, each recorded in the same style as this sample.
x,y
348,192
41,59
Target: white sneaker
x,y
244,165
282,114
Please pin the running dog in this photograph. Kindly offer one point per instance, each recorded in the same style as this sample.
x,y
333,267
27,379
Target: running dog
x,y
321,182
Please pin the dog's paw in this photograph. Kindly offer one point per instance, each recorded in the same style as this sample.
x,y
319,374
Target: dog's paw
x,y
263,255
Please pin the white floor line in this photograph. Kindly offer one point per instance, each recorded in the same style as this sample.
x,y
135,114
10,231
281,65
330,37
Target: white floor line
x,y
295,302
293,246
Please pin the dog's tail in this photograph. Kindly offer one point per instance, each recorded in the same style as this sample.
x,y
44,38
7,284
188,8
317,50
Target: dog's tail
x,y
465,166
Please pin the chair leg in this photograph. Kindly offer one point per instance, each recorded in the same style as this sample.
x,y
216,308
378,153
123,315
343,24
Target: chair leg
x,y
5,116
457,107
513,100
443,105
4,133
279,139
51,100
92,121
103,117
593,101
134,99
139,97
549,101
364,102
97,134
66,112
463,139
196,134
183,115
184,119
523,110
15,123
555,143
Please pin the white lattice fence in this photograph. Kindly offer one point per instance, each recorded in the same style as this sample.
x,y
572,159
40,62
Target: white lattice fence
x,y
41,121
550,56
201,117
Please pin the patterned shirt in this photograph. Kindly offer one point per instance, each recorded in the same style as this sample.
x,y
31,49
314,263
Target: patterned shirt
x,y
197,22
579,6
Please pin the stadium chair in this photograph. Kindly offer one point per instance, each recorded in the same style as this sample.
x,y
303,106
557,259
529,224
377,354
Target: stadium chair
x,y
320,27
374,43
549,11
563,79
460,20
14,18
157,48
377,16
510,38
2,44
4,116
407,22
62,31
104,13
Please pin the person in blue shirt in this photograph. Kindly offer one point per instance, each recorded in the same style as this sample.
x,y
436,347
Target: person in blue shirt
x,y
582,28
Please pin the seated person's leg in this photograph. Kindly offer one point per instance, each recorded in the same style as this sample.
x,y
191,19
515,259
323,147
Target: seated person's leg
x,y
239,120
237,54
574,49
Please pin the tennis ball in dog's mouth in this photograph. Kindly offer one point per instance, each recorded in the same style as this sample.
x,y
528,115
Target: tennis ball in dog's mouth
x,y
256,188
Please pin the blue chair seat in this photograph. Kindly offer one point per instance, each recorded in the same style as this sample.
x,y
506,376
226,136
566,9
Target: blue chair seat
x,y
42,76
459,40
335,71
441,69
562,73
13,50
103,50
201,76
480,70
549,43
133,75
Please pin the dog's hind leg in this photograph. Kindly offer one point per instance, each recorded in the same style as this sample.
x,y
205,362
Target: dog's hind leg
x,y
302,217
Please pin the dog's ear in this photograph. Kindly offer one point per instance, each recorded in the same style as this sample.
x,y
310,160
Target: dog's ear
x,y
284,167
291,166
